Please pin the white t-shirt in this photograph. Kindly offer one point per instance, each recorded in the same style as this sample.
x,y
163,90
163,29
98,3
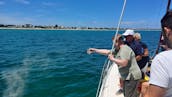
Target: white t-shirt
x,y
161,71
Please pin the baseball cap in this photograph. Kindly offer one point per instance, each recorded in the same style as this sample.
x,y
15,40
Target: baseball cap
x,y
128,32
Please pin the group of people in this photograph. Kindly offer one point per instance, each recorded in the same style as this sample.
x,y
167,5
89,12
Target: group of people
x,y
131,56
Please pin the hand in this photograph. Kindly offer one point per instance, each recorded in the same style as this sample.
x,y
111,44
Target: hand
x,y
91,50
111,57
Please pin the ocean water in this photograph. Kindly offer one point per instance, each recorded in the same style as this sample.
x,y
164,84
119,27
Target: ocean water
x,y
51,63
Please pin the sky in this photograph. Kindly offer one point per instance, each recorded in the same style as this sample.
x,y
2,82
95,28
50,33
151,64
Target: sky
x,y
83,13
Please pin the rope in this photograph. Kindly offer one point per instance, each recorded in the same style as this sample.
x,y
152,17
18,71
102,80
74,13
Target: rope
x,y
107,64
120,19
168,5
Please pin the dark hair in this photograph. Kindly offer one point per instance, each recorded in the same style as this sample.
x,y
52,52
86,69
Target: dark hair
x,y
166,21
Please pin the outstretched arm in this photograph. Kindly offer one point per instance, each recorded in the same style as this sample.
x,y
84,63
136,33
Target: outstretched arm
x,y
99,51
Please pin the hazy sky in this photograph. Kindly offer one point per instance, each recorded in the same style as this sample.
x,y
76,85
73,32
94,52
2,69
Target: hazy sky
x,y
92,13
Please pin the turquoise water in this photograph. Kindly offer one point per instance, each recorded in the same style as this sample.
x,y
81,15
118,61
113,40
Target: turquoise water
x,y
45,63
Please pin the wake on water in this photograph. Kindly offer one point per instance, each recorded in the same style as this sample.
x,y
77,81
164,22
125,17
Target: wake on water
x,y
16,78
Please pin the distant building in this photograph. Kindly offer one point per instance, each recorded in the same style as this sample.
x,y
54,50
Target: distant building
x,y
28,26
11,26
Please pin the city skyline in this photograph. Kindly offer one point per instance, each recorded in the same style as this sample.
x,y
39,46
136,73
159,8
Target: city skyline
x,y
78,13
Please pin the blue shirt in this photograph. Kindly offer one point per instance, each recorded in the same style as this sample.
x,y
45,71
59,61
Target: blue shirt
x,y
136,47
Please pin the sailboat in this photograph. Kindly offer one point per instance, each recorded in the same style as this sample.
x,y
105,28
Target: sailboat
x,y
109,81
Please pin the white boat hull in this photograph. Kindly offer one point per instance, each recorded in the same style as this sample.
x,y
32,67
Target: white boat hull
x,y
111,83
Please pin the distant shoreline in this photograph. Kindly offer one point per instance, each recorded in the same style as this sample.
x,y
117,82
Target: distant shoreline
x,y
5,28
52,29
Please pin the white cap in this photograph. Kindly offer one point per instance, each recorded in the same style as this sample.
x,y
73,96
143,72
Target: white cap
x,y
128,32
